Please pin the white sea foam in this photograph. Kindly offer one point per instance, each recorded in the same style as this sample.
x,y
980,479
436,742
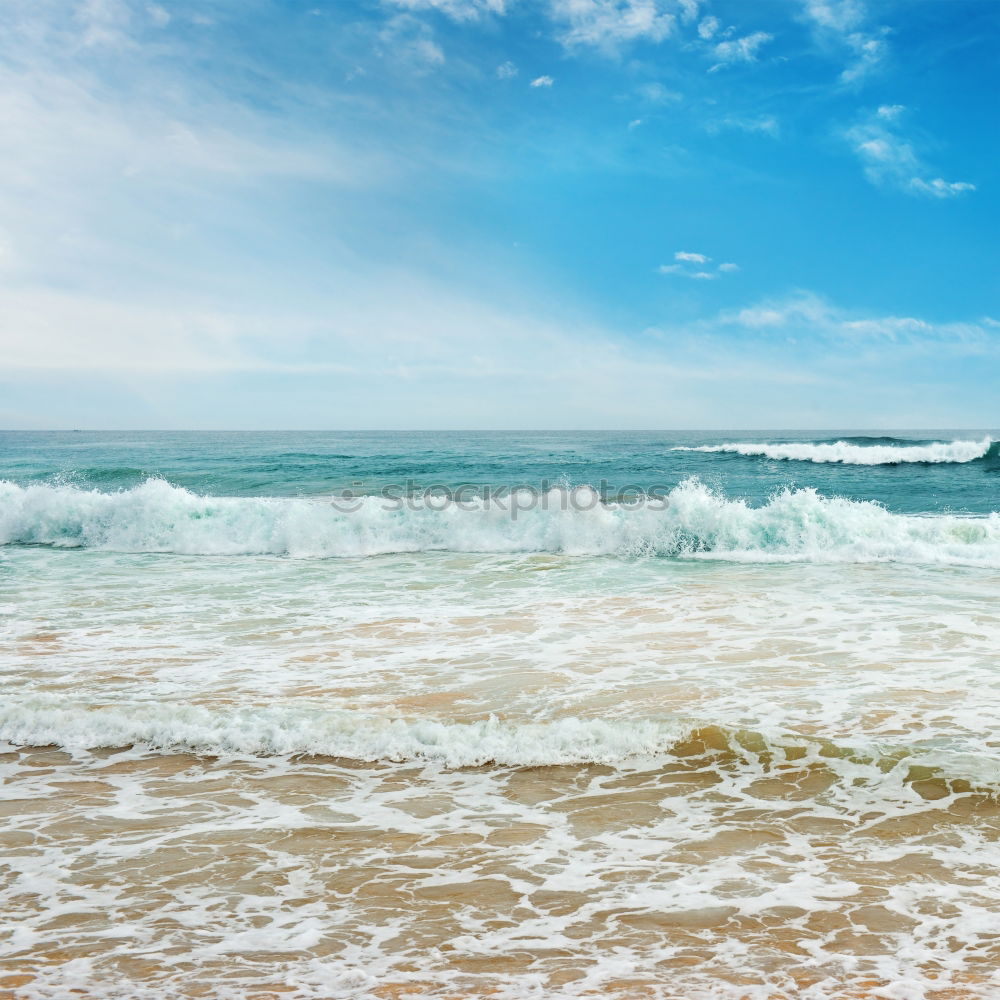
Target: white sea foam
x,y
691,522
279,730
854,454
319,879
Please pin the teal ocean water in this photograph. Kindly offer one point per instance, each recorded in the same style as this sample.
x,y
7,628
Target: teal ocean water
x,y
915,472
513,715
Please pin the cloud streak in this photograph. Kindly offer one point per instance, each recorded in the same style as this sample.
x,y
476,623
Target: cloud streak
x,y
805,314
739,50
762,125
890,159
697,266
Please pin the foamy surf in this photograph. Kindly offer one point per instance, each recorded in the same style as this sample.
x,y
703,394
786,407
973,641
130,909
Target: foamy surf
x,y
456,775
281,731
690,522
293,731
845,453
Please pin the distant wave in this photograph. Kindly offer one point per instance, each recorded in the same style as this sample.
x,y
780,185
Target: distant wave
x,y
277,730
847,453
690,522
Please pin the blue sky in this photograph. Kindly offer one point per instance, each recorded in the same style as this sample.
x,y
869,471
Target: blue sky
x,y
499,213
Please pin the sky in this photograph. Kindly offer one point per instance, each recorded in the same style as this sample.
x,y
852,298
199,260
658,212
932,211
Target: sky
x,y
499,214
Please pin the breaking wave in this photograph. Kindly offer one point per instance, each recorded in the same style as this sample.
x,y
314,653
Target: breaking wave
x,y
848,453
277,730
689,522
314,731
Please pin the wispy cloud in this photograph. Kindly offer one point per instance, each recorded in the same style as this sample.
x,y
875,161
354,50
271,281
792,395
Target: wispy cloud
x,y
608,24
708,27
764,124
836,15
410,40
890,159
104,23
940,188
158,15
655,93
890,112
435,352
180,202
805,314
459,10
843,24
739,50
697,266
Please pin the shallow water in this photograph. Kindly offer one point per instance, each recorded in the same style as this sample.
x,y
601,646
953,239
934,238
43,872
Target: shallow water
x,y
574,770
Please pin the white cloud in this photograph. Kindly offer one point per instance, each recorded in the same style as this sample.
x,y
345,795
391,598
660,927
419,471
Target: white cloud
x,y
739,50
656,93
104,23
941,188
459,10
431,356
99,183
506,70
55,133
708,27
542,81
756,317
870,52
602,24
889,159
837,15
841,24
408,40
890,112
435,356
689,10
810,314
607,24
692,265
765,124
634,124
158,15
803,309
97,179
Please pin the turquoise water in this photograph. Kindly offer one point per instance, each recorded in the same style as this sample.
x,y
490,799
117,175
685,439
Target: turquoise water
x,y
314,463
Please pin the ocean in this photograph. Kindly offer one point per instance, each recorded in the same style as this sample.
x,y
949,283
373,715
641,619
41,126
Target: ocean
x,y
684,716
